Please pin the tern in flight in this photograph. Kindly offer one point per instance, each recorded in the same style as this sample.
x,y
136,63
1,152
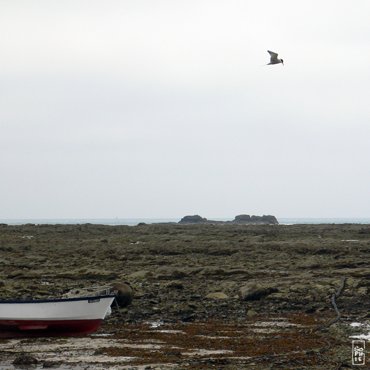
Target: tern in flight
x,y
274,58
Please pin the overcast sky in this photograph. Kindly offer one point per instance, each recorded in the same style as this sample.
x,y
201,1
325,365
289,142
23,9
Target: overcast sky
x,y
145,108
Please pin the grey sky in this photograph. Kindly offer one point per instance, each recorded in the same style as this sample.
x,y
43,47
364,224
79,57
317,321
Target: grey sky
x,y
166,108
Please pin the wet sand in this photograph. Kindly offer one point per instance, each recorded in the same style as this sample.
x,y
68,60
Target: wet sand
x,y
222,296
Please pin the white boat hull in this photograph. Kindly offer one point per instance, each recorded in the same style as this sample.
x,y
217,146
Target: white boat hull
x,y
68,316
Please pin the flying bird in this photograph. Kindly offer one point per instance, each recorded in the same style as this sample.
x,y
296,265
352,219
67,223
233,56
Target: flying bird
x,y
274,58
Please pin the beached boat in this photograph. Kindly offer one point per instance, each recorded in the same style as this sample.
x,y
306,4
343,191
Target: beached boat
x,y
53,317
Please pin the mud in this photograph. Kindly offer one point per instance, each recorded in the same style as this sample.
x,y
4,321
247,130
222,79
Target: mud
x,y
206,296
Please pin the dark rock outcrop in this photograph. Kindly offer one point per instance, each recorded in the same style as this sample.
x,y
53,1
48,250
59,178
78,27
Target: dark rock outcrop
x,y
246,219
124,293
25,359
196,219
240,219
255,291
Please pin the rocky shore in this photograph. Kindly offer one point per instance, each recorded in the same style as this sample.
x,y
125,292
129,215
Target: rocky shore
x,y
212,274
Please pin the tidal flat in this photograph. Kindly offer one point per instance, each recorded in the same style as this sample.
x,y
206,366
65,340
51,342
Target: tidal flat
x,y
205,296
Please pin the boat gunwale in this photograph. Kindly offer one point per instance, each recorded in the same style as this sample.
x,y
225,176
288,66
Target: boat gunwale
x,y
56,300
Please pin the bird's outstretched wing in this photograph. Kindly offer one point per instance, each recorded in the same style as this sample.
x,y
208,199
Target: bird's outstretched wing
x,y
273,55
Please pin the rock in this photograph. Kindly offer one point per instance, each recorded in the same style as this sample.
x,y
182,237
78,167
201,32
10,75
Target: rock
x,y
246,219
352,283
212,271
321,289
255,291
196,219
170,273
239,219
48,364
298,288
140,275
278,296
242,219
217,295
269,219
124,294
362,291
251,313
188,317
175,284
25,359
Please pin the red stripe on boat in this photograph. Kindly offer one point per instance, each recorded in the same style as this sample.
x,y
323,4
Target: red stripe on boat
x,y
41,328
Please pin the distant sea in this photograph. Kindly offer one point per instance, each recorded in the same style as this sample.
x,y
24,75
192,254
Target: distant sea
x,y
135,221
